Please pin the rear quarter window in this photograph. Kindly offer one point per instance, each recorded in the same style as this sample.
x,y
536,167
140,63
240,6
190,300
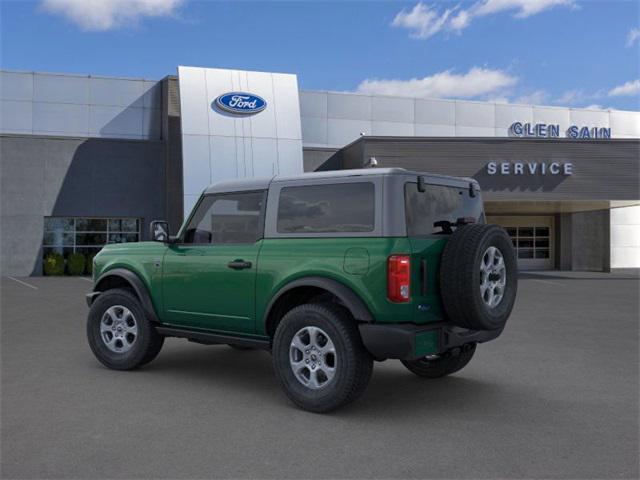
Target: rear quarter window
x,y
437,203
327,208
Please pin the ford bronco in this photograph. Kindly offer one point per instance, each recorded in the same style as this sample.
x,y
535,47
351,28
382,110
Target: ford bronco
x,y
328,271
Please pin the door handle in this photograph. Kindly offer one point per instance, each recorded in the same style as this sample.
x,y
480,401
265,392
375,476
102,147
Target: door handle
x,y
239,264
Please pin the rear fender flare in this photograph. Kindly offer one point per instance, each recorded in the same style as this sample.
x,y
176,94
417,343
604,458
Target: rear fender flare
x,y
345,294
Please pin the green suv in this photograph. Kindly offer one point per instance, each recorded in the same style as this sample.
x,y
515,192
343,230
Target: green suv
x,y
328,271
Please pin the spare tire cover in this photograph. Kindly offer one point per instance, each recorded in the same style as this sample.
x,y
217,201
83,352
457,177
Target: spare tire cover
x,y
479,277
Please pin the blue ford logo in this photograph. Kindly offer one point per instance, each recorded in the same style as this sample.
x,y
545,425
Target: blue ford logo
x,y
241,103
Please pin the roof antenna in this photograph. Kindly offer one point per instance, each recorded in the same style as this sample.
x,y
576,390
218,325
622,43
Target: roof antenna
x,y
371,163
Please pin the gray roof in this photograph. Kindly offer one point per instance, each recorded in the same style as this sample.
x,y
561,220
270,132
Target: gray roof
x,y
262,183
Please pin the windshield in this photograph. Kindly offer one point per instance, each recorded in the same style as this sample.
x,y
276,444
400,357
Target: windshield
x,y
438,203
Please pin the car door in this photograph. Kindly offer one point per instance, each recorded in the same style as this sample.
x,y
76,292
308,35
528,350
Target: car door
x,y
209,274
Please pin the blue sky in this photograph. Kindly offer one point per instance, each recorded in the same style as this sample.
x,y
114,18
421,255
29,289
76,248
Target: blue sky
x,y
558,52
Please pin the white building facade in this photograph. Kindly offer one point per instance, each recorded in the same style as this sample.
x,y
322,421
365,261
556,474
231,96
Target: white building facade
x,y
60,117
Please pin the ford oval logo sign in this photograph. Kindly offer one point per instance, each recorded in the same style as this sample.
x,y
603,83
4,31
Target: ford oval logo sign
x,y
240,103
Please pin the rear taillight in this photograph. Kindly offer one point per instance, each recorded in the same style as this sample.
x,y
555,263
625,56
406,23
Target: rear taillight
x,y
399,278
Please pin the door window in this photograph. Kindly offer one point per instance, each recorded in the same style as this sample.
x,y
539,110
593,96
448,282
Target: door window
x,y
337,208
233,218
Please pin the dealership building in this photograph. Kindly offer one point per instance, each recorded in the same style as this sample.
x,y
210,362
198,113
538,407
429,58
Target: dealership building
x,y
88,160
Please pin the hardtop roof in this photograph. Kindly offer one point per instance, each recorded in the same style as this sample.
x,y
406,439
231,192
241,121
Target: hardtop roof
x,y
262,183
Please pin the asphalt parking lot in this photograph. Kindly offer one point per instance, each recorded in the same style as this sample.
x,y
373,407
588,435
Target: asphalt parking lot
x,y
556,396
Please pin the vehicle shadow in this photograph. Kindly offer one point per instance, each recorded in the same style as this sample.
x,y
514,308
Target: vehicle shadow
x,y
401,394
222,365
392,392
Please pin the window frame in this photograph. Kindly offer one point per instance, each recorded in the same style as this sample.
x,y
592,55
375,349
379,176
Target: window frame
x,y
75,247
261,219
273,204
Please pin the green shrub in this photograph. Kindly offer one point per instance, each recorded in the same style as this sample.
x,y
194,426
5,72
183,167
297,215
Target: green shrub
x,y
89,265
75,264
53,264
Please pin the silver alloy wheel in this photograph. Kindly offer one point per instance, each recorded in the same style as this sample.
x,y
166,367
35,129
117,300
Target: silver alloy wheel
x,y
312,357
493,277
118,329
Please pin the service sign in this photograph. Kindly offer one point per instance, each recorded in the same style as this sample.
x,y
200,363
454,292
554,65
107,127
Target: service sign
x,y
240,103
530,168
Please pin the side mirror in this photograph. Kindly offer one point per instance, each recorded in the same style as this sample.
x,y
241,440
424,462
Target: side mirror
x,y
159,231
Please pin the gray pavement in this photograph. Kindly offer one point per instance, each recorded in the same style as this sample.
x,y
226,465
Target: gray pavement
x,y
556,396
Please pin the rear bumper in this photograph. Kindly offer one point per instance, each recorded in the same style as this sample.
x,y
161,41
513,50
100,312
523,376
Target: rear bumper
x,y
406,341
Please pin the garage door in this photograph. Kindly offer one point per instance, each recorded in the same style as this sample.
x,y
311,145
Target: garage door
x,y
532,238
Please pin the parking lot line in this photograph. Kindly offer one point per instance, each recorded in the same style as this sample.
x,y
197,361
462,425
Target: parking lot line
x,y
86,279
23,283
549,282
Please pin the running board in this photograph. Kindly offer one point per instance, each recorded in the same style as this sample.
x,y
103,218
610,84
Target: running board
x,y
209,338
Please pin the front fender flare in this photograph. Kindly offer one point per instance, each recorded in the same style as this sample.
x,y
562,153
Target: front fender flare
x,y
345,294
136,283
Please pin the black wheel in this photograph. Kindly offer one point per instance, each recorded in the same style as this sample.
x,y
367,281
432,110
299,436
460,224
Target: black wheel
x,y
319,358
479,277
445,364
119,333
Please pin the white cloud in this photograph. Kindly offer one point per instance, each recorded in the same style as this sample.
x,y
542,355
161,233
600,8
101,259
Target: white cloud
x,y
538,97
633,36
99,15
571,97
595,106
421,21
475,83
629,88
524,8
424,22
498,99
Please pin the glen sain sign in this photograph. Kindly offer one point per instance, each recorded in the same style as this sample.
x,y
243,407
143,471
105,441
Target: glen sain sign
x,y
545,130
240,103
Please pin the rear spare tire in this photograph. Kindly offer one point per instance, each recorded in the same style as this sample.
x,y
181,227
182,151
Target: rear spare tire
x,y
479,277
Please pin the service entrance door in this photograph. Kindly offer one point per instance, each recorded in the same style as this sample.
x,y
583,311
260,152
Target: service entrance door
x,y
533,239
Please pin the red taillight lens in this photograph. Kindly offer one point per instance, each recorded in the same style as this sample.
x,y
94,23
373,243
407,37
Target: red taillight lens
x,y
399,278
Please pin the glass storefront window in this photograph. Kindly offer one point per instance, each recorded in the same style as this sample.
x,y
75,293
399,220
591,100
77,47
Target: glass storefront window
x,y
58,223
65,235
123,237
91,224
124,225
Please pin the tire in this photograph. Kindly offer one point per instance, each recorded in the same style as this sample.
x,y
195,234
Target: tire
x,y
111,333
479,277
345,373
445,365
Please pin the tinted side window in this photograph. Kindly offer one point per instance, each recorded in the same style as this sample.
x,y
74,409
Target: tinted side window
x,y
438,203
229,218
342,207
